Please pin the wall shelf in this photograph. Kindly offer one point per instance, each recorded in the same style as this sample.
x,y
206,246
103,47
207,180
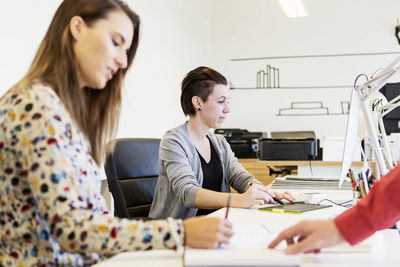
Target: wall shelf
x,y
269,79
312,108
302,56
314,56
292,87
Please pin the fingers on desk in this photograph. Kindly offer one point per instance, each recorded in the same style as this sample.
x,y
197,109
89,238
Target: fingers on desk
x,y
266,194
288,235
286,195
260,194
305,243
225,232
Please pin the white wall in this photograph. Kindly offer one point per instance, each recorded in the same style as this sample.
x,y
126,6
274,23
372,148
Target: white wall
x,y
179,35
23,24
259,28
175,39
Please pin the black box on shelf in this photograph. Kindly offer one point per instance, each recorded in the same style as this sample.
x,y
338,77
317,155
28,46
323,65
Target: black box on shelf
x,y
243,143
288,149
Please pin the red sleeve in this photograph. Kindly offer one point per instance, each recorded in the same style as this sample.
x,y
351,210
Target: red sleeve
x,y
378,210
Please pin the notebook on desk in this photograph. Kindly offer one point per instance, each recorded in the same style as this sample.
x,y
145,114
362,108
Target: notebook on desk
x,y
242,257
294,208
247,247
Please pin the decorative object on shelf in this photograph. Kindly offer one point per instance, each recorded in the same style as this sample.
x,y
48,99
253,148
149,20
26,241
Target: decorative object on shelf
x,y
311,108
269,78
397,31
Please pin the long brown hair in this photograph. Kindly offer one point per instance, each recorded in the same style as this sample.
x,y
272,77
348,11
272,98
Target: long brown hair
x,y
96,112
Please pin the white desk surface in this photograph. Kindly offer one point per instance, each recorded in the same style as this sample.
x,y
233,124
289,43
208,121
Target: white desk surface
x,y
382,249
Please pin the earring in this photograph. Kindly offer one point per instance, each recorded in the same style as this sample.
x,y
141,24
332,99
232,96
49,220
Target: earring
x,y
199,109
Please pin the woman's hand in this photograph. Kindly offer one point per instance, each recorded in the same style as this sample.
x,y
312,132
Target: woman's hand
x,y
207,232
257,194
286,195
311,237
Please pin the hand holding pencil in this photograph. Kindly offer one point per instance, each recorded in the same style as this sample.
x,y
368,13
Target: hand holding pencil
x,y
258,194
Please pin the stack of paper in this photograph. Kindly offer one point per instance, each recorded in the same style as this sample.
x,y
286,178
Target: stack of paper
x,y
293,182
165,258
248,247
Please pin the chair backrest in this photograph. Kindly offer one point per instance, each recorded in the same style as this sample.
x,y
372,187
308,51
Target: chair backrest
x,y
132,172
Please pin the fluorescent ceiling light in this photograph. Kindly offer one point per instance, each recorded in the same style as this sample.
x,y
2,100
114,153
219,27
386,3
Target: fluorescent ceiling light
x,y
293,8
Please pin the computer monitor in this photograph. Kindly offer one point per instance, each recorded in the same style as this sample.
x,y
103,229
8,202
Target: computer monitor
x,y
351,139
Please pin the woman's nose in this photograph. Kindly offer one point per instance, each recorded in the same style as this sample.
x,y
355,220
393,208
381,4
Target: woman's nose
x,y
227,109
122,60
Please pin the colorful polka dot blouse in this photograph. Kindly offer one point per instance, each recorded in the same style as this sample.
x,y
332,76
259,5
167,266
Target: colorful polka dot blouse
x,y
51,210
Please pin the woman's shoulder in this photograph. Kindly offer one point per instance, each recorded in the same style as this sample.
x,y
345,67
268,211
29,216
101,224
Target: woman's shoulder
x,y
177,138
178,133
43,93
35,101
31,94
219,139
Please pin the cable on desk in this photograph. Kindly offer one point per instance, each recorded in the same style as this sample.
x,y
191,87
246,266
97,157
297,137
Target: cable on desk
x,y
309,162
345,204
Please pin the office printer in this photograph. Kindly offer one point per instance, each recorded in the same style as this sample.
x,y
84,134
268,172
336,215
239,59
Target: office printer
x,y
243,143
289,146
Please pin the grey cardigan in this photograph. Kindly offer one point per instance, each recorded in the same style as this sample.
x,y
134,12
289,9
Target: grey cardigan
x,y
181,175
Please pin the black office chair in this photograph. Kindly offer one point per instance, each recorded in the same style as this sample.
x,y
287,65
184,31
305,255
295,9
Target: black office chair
x,y
132,172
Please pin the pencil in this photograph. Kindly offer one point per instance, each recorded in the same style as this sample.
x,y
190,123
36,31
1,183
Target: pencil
x,y
228,205
278,200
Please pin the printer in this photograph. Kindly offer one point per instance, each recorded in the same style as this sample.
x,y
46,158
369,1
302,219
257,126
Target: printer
x,y
289,146
243,143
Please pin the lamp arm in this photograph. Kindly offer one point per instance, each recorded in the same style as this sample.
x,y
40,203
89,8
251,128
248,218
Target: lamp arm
x,y
388,109
376,83
386,148
374,138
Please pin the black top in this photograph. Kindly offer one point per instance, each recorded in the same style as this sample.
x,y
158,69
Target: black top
x,y
212,174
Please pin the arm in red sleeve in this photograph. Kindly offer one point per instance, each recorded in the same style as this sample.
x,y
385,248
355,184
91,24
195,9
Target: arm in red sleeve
x,y
378,210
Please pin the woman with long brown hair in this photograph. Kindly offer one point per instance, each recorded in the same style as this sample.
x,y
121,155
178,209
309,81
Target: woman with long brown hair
x,y
53,127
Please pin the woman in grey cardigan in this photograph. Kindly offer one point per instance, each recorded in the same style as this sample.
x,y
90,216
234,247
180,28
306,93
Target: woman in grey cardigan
x,y
196,167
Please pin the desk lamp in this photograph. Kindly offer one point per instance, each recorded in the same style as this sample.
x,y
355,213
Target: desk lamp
x,y
360,95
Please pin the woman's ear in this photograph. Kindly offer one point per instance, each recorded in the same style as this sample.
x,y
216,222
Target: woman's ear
x,y
197,102
76,25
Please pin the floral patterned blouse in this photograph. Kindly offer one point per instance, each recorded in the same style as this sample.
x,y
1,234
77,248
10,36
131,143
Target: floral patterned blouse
x,y
51,210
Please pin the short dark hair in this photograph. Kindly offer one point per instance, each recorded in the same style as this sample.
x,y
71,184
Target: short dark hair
x,y
199,82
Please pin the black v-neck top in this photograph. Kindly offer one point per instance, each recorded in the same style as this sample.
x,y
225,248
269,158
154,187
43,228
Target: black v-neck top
x,y
212,174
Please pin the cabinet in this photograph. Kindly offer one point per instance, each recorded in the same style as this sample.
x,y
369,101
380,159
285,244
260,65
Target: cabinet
x,y
257,168
260,169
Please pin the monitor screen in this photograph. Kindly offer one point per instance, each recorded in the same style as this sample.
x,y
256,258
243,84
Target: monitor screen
x,y
351,139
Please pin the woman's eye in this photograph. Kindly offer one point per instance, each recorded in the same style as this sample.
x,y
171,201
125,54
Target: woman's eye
x,y
115,43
